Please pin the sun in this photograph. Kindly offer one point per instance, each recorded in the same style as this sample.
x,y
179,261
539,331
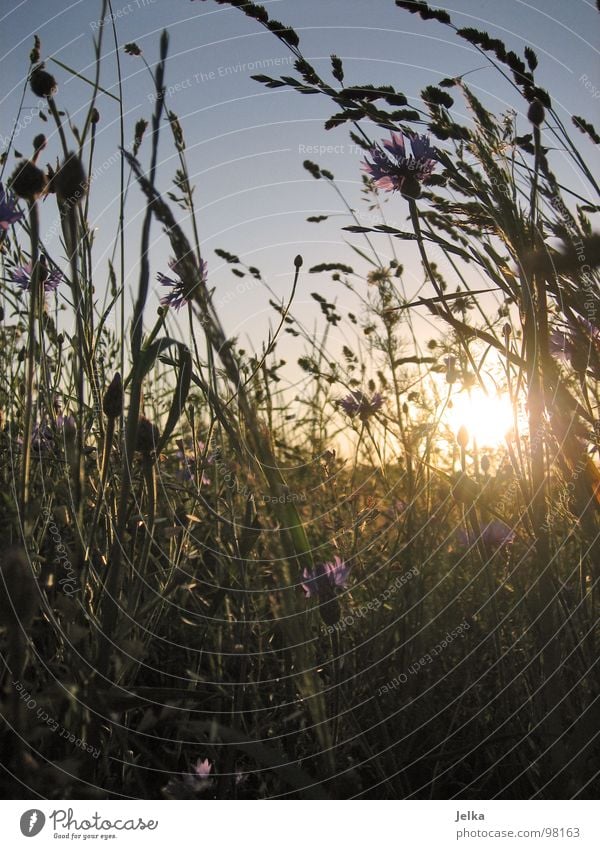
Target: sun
x,y
487,418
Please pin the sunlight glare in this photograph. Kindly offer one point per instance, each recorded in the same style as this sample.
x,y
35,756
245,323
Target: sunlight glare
x,y
487,418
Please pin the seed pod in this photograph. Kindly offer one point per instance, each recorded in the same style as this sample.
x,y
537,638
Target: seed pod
x,y
485,464
94,116
42,83
112,402
536,113
28,181
70,180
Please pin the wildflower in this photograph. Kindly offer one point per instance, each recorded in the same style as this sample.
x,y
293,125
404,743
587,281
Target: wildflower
x,y
358,404
8,209
51,277
495,535
188,462
66,425
579,345
395,170
42,438
180,292
193,782
202,769
325,579
132,49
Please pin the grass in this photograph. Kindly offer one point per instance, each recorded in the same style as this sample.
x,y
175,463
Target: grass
x,y
165,500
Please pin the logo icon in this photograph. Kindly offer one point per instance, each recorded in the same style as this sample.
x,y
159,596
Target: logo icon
x,y
32,822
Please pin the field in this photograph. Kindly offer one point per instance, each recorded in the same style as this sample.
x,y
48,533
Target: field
x,y
358,559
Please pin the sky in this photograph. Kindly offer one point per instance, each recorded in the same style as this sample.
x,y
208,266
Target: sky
x,y
246,144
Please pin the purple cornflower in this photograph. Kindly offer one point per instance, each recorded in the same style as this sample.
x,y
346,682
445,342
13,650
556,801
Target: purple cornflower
x,y
495,535
180,293
8,209
42,438
579,345
52,277
325,578
188,462
396,170
358,404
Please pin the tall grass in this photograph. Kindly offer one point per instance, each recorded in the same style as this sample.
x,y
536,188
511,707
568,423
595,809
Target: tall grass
x,y
166,499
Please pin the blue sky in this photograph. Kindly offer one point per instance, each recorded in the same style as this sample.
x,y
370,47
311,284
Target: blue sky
x,y
246,144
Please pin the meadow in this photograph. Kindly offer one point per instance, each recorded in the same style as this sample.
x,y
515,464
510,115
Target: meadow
x,y
311,570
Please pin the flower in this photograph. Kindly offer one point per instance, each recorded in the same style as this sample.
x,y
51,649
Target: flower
x,y
579,345
189,461
326,578
202,769
180,293
8,209
199,778
495,535
358,404
51,277
395,170
42,438
190,783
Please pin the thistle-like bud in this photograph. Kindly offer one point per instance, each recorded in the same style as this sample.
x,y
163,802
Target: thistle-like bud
x,y
42,83
148,436
485,464
506,331
94,116
39,143
462,437
70,180
112,402
28,181
536,113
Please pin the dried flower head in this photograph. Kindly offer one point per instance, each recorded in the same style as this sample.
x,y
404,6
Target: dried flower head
x,y
148,437
70,180
536,113
42,83
112,402
28,181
